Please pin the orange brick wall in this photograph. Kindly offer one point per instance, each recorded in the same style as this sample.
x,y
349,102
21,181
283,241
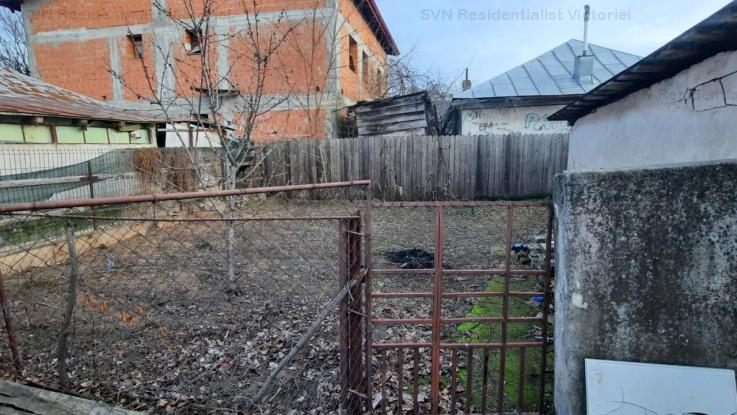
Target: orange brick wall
x,y
349,80
188,67
79,65
277,125
299,65
179,8
134,70
355,19
71,14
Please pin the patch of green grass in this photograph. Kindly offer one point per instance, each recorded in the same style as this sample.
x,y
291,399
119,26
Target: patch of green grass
x,y
421,381
492,333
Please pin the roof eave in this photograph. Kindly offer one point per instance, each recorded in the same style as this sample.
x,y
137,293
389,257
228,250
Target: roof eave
x,y
515,101
67,117
13,5
374,18
386,100
713,35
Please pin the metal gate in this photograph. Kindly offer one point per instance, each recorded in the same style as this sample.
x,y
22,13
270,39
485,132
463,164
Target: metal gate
x,y
503,365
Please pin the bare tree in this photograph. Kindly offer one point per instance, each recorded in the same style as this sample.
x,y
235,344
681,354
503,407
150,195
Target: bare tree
x,y
404,76
62,348
230,110
13,52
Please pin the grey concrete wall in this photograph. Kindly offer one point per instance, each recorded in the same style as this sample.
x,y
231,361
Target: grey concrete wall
x,y
646,271
690,117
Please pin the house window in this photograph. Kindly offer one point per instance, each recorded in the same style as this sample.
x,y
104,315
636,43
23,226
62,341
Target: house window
x,y
352,53
137,42
365,71
193,42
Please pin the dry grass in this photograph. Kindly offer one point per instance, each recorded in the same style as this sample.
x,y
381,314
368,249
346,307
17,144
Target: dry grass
x,y
163,170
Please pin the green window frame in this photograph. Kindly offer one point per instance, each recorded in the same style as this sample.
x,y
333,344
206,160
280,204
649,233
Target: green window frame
x,y
37,134
11,133
69,135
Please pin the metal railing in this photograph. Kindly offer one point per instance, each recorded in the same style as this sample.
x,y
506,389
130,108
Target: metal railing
x,y
467,331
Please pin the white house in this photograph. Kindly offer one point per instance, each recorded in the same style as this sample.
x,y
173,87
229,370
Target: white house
x,y
678,105
521,99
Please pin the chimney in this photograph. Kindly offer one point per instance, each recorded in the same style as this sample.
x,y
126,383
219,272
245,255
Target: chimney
x,y
583,69
467,83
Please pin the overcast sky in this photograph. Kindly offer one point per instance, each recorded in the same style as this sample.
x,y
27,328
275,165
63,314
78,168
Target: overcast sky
x,y
492,36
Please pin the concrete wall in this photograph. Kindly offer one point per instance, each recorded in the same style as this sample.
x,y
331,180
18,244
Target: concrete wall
x,y
691,117
179,135
512,120
646,271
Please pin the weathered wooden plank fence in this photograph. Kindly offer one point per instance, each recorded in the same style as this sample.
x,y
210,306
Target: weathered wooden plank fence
x,y
424,168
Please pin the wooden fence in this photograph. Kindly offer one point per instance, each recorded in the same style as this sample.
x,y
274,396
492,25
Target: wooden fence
x,y
424,168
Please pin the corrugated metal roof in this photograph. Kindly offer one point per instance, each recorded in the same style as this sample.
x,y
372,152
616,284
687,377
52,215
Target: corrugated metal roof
x,y
714,35
552,73
27,96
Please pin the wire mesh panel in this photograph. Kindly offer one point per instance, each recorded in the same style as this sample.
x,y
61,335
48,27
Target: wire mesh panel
x,y
247,303
460,307
29,175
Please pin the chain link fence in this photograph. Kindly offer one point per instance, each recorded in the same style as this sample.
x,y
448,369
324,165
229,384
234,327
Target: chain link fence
x,y
247,303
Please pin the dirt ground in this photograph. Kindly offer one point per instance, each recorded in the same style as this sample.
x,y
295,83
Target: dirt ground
x,y
157,329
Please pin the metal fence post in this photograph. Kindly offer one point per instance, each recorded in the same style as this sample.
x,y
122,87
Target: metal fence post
x,y
10,327
436,310
351,319
91,184
90,180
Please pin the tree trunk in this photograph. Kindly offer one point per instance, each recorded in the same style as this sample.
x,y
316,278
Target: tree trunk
x,y
230,232
62,349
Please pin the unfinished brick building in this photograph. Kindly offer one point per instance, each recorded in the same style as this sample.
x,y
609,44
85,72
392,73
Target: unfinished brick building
x,y
331,54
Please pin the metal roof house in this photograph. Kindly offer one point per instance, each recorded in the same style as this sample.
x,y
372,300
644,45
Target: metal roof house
x,y
521,99
678,105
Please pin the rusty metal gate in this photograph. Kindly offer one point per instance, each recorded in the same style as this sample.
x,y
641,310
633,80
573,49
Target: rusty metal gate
x,y
493,358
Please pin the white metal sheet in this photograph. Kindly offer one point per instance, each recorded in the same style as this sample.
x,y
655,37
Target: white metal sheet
x,y
622,388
